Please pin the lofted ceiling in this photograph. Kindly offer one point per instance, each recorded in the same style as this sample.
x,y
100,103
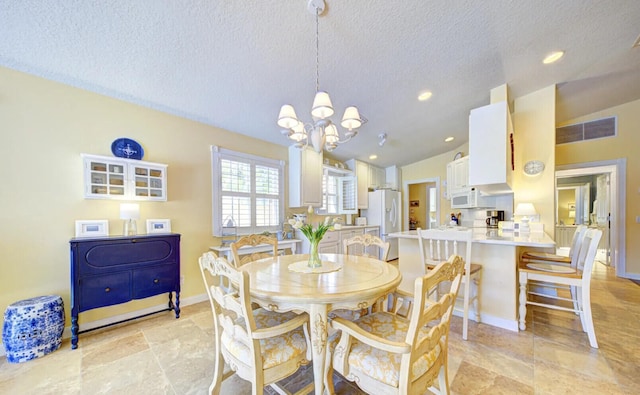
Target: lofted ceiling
x,y
233,63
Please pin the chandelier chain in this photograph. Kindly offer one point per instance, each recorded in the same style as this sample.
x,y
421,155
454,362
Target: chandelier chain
x,y
317,51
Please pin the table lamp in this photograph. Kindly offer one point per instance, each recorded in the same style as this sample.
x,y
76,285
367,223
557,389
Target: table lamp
x,y
130,212
526,210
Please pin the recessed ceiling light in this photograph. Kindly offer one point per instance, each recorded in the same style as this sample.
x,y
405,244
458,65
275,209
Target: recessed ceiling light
x,y
552,57
374,156
449,139
425,96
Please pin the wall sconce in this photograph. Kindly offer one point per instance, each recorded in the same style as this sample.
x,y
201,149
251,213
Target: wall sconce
x,y
130,212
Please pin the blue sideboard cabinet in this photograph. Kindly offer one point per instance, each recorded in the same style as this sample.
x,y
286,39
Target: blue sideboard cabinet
x,y
111,270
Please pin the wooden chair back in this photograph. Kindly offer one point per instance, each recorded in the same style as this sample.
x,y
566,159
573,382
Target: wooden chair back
x,y
254,240
366,245
246,338
420,347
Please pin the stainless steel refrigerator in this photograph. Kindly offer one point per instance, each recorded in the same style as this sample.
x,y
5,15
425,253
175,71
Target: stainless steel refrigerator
x,y
384,211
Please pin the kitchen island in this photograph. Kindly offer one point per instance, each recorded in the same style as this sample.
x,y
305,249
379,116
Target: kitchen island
x,y
497,251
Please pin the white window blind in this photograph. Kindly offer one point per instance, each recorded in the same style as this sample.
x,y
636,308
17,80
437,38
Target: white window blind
x,y
248,190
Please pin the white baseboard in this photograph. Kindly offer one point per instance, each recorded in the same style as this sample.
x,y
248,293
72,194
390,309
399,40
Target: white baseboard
x,y
491,320
122,317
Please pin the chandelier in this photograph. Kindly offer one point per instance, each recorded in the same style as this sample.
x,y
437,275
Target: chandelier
x,y
322,132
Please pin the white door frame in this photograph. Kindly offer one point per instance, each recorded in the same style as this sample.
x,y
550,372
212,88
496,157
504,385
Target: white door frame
x,y
617,170
405,192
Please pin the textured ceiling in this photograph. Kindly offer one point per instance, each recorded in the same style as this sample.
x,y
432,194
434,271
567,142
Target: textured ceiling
x,y
233,63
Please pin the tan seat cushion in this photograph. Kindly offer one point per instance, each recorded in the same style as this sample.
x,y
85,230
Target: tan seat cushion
x,y
544,256
275,350
381,365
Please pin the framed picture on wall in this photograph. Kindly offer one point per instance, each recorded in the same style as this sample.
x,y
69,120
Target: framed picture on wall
x,y
414,203
92,228
158,226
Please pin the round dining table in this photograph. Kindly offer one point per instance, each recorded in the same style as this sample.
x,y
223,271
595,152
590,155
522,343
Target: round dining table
x,y
353,282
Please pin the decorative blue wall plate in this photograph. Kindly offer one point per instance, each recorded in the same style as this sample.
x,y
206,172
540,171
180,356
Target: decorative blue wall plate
x,y
127,148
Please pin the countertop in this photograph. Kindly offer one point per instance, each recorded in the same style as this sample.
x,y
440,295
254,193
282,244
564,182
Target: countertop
x,y
358,226
496,236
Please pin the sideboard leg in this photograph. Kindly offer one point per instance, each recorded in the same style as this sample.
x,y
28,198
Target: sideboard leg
x,y
74,331
177,304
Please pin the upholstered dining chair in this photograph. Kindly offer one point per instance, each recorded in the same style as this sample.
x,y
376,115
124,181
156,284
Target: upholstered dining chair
x,y
363,245
261,346
366,245
578,277
437,245
384,353
254,240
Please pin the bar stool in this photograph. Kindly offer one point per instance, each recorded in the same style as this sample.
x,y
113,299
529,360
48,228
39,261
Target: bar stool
x,y
33,328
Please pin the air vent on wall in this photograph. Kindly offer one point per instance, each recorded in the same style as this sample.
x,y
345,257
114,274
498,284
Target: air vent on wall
x,y
606,127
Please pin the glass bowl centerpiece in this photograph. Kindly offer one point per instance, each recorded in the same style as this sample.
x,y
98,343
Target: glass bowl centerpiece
x,y
315,235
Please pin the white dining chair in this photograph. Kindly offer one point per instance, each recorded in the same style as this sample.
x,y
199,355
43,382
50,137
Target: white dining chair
x,y
571,260
578,277
538,256
437,245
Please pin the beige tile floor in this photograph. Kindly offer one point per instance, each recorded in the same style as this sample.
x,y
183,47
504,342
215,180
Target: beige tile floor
x,y
162,355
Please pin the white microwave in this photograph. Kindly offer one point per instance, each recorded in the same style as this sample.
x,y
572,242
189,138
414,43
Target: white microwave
x,y
471,198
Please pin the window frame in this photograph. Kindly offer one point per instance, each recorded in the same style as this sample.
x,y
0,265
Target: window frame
x,y
217,155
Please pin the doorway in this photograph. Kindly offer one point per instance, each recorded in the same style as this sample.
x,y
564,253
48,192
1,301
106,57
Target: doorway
x,y
593,194
422,203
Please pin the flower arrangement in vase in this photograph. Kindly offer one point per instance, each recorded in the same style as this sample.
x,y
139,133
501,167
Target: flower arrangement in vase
x,y
315,235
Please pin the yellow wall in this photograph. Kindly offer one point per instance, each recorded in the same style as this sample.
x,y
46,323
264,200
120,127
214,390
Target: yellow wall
x,y
45,127
534,139
624,145
565,198
431,168
418,192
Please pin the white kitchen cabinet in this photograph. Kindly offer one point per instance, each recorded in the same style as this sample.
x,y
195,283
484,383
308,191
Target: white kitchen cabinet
x,y
361,170
491,149
305,177
457,176
393,178
377,177
123,179
330,243
564,235
347,234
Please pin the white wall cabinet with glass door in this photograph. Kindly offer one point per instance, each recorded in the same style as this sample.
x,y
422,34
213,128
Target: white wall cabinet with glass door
x,y
124,179
339,192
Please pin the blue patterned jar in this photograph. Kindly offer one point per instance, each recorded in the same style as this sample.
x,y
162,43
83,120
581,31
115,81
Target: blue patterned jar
x,y
33,328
